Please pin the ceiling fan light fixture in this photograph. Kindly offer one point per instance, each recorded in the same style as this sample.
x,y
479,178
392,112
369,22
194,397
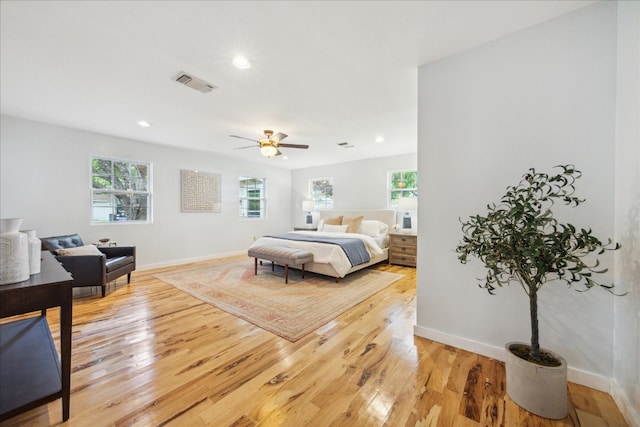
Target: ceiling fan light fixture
x,y
270,147
268,150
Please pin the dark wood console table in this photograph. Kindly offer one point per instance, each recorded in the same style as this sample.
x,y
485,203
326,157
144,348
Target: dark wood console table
x,y
30,371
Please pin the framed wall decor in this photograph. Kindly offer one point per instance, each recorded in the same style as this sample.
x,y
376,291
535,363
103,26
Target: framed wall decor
x,y
200,191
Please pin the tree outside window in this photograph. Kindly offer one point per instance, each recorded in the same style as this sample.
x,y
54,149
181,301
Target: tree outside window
x,y
120,191
402,184
321,190
252,197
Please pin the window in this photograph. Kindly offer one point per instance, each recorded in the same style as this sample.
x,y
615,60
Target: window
x,y
253,197
120,191
321,190
402,184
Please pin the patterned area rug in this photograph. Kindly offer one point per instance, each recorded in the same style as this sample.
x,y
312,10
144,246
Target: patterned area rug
x,y
290,311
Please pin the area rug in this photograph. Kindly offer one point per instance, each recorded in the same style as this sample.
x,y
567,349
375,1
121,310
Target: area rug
x,y
290,310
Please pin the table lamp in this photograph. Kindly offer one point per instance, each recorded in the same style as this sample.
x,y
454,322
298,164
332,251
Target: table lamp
x,y
407,204
308,206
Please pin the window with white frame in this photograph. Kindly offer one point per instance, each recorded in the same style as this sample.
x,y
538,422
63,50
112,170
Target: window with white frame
x,y
402,184
120,191
321,191
253,197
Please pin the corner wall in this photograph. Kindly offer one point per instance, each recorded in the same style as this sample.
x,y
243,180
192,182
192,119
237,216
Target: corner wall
x,y
540,97
45,179
627,215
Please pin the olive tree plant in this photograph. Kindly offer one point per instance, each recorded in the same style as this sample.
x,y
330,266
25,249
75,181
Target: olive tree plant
x,y
520,240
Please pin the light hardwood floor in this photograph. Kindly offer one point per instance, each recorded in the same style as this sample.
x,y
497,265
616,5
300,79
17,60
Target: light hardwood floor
x,y
151,355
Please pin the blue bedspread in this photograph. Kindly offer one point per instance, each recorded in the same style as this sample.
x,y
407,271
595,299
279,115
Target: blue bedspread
x,y
354,248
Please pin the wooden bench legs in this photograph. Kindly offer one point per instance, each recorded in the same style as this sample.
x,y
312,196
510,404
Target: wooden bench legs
x,y
280,255
273,268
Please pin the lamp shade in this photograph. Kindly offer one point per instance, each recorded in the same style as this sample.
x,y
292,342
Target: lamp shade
x,y
407,204
307,205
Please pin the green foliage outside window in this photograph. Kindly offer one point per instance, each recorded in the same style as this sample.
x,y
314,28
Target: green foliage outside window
x,y
120,191
253,197
402,184
321,190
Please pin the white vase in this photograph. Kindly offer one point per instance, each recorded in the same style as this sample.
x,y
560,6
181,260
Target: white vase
x,y
35,249
541,390
14,252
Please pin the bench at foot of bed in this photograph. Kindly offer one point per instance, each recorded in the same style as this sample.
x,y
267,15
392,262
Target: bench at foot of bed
x,y
281,255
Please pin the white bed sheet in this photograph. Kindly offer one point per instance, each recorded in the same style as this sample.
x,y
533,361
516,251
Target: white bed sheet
x,y
325,253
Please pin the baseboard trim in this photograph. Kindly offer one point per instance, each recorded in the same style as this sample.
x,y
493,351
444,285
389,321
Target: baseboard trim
x,y
187,260
459,342
574,375
630,413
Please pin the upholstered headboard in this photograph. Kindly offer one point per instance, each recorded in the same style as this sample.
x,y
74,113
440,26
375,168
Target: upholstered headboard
x,y
388,216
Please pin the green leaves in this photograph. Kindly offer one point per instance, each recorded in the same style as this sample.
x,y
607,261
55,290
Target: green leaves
x,y
520,240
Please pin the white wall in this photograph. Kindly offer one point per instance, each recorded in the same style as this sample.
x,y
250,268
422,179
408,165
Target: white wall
x,y
45,179
627,215
540,97
356,185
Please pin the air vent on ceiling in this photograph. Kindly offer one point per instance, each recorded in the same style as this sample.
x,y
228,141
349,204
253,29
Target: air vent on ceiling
x,y
194,82
345,145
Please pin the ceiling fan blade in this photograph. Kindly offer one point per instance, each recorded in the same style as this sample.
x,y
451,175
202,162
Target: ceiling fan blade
x,y
279,137
242,137
294,146
278,153
247,146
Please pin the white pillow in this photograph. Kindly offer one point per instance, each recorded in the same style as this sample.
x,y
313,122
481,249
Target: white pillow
x,y
320,225
329,228
373,228
79,250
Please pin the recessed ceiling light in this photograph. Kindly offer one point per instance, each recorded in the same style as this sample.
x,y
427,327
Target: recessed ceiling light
x,y
144,124
379,139
241,62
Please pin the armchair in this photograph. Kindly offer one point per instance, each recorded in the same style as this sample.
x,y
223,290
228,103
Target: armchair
x,y
102,266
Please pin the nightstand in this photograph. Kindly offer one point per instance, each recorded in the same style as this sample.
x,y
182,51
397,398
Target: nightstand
x,y
403,249
305,228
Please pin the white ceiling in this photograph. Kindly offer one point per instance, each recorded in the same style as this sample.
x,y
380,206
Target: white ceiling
x,y
323,72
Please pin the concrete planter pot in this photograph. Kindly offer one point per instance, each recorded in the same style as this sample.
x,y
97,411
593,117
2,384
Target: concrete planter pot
x,y
541,390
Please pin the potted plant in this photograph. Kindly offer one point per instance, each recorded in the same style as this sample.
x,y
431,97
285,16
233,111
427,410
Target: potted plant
x,y
520,240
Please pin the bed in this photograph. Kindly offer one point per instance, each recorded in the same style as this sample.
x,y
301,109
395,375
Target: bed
x,y
331,259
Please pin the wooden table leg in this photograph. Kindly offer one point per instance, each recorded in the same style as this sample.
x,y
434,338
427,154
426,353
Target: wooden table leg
x,y
65,348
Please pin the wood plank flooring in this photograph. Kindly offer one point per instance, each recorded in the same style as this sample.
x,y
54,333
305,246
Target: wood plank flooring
x,y
151,355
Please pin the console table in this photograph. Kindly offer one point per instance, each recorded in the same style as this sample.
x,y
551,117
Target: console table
x,y
30,371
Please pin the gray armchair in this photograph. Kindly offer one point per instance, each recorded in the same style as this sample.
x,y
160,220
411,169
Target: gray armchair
x,y
92,270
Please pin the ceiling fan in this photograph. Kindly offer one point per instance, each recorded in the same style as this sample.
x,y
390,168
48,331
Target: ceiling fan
x,y
269,146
